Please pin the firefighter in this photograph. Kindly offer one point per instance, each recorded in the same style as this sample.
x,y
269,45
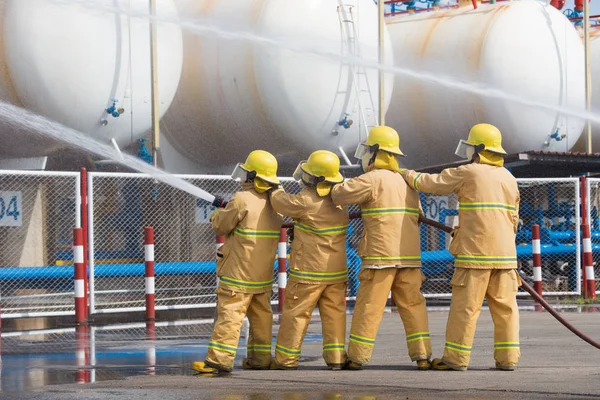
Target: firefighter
x,y
389,249
483,246
318,270
245,267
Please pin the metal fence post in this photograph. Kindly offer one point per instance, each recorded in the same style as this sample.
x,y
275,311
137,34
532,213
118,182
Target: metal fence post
x,y
580,201
149,261
282,267
84,227
90,221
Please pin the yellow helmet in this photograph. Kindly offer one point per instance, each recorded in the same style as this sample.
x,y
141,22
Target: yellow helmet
x,y
386,138
263,164
323,165
487,135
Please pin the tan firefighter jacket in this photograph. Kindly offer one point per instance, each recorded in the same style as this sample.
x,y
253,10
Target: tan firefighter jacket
x,y
488,212
319,246
390,213
245,263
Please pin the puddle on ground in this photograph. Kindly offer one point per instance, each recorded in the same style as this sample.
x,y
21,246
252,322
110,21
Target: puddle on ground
x,y
34,359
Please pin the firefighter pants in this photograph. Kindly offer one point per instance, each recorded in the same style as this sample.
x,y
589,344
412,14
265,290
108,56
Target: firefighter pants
x,y
232,308
469,287
375,286
300,301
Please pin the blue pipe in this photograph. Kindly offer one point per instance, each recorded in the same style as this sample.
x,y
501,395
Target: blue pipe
x,y
108,270
430,260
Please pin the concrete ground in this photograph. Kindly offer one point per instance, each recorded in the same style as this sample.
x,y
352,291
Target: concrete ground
x,y
555,364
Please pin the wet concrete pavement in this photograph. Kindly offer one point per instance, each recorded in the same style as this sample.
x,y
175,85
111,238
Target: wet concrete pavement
x,y
123,364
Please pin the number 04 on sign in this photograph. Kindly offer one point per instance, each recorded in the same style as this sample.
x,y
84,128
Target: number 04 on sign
x,y
10,209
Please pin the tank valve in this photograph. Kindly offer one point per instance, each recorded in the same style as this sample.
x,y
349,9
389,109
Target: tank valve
x,y
556,136
410,5
114,111
143,152
346,123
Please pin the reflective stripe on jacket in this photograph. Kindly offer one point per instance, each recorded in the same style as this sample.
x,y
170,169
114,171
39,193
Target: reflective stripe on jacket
x,y
390,213
245,263
319,246
488,212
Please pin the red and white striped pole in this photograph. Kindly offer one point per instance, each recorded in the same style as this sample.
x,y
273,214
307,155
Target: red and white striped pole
x,y
282,267
149,276
589,288
79,272
537,258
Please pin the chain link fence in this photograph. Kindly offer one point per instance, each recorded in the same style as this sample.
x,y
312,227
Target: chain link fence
x,y
593,209
551,203
554,205
120,206
38,211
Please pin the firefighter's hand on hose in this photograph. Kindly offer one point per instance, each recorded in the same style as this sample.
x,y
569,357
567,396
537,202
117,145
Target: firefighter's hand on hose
x,y
219,203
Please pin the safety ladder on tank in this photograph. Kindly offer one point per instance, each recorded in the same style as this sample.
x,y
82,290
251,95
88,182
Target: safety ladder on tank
x,y
359,79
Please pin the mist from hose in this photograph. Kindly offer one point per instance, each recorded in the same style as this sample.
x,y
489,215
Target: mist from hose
x,y
36,124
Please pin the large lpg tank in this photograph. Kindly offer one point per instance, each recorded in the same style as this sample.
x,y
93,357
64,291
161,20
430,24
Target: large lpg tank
x,y
69,61
595,74
238,95
524,48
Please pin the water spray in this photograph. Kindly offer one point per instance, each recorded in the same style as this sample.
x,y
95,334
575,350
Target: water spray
x,y
24,119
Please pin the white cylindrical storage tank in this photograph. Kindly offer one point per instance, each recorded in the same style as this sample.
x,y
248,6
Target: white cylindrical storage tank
x,y
523,48
239,95
69,61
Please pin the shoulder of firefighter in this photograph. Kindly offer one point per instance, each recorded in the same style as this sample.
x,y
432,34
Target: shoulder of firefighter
x,y
354,191
245,262
318,253
390,212
488,199
288,204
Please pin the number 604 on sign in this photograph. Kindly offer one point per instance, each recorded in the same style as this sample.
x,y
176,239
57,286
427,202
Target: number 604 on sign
x,y
11,209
